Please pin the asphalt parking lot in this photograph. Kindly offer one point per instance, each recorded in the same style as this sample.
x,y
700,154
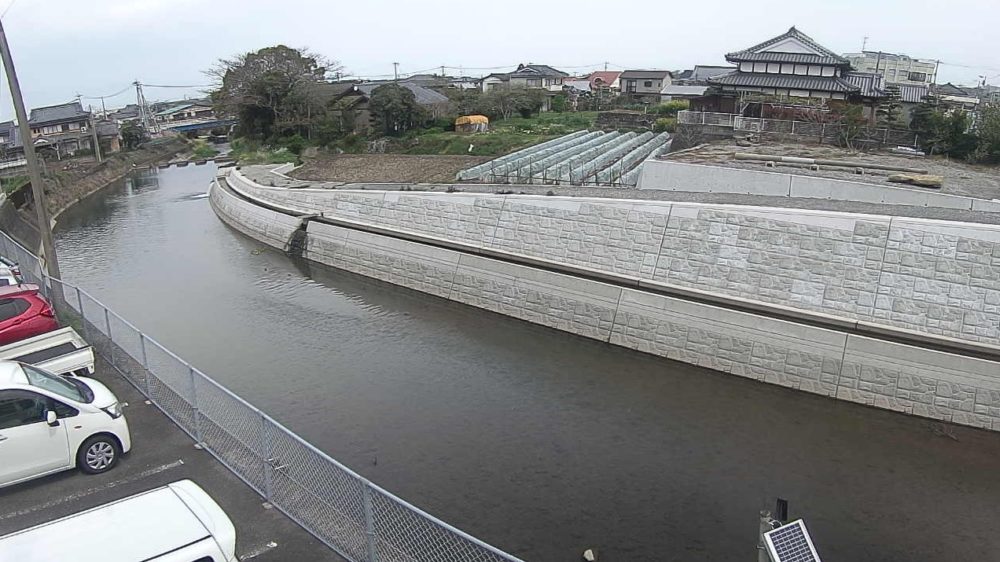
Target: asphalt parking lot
x,y
161,453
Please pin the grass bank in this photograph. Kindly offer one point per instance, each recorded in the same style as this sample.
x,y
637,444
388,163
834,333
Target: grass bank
x,y
505,136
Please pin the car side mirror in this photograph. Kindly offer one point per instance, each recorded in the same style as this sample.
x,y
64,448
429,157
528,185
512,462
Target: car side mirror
x,y
51,419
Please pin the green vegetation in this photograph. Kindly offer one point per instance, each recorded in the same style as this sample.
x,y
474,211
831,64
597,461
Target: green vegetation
x,y
133,135
670,108
13,183
253,152
504,136
665,124
201,149
945,131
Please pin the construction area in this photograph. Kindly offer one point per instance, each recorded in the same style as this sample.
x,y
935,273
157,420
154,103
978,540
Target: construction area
x,y
957,178
582,158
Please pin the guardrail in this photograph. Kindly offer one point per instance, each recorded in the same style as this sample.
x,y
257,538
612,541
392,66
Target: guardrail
x,y
353,516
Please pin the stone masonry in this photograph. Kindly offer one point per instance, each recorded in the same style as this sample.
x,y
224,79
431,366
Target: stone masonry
x,y
928,276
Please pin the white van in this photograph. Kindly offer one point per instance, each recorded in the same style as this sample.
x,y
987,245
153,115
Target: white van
x,y
176,523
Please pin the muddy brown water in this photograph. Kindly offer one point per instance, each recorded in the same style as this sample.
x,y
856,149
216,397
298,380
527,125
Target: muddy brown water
x,y
539,442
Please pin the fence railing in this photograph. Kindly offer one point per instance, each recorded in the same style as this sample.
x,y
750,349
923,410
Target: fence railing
x,y
819,131
353,516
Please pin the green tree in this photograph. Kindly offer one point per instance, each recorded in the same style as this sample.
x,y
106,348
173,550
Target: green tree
x,y
133,135
271,91
560,103
943,130
395,109
852,126
988,133
890,109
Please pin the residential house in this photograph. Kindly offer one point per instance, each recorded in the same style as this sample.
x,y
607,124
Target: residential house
x,y
349,103
910,96
186,111
644,86
790,71
605,80
63,128
129,113
899,69
538,77
10,141
956,96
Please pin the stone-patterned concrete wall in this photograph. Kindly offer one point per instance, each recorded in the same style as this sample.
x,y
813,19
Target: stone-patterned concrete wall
x,y
929,276
877,373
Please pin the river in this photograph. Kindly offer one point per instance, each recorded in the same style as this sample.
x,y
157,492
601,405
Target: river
x,y
539,442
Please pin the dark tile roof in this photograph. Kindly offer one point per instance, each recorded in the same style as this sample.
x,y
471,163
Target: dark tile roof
x,y
536,70
643,74
71,111
107,129
754,54
912,93
702,73
785,81
870,85
424,96
950,89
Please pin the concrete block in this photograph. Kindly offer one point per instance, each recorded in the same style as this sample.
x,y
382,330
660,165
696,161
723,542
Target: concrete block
x,y
678,176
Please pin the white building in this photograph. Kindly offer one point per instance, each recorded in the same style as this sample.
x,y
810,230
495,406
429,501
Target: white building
x,y
897,69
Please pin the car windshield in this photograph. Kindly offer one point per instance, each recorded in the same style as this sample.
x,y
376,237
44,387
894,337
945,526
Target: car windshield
x,y
63,386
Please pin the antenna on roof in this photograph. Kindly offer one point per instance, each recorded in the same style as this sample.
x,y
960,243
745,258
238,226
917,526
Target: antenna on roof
x,y
864,44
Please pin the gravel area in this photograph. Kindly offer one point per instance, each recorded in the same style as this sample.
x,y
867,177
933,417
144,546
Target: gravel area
x,y
959,178
385,168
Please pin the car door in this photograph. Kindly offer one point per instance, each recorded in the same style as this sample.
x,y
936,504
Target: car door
x,y
12,310
28,445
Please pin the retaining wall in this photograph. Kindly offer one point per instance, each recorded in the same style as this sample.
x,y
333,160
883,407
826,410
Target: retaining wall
x,y
874,372
932,277
665,175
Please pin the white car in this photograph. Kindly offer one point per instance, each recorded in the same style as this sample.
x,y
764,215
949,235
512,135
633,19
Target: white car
x,y
50,423
176,523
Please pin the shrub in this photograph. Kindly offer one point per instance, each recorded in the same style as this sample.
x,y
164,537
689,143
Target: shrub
x,y
665,124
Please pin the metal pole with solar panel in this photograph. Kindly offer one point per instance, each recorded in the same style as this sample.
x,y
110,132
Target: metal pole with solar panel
x,y
780,541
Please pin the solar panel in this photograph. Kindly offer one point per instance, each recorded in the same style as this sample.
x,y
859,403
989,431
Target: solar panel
x,y
791,543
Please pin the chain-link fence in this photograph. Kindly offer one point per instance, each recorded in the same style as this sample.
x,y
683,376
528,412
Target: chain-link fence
x,y
351,515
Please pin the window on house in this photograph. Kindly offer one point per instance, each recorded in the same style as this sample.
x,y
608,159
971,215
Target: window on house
x,y
65,127
647,84
917,76
534,82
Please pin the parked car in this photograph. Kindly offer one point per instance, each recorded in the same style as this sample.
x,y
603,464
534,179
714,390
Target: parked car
x,y
7,277
24,313
50,423
13,267
176,523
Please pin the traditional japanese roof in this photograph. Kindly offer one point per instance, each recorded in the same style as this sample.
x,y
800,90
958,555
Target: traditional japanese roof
x,y
701,73
683,91
793,46
870,85
61,113
423,96
786,82
645,74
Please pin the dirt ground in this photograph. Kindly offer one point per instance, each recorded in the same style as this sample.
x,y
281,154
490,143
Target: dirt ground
x,y
959,178
377,168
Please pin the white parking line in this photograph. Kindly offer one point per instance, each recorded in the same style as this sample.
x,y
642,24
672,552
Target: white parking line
x,y
73,497
255,552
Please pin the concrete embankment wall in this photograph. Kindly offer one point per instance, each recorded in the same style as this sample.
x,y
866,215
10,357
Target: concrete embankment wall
x,y
931,277
665,175
861,369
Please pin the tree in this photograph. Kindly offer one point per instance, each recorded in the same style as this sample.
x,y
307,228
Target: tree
x,y
943,130
890,109
133,135
395,109
988,132
271,91
852,126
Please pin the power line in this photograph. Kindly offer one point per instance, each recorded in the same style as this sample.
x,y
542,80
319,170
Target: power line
x,y
174,86
118,93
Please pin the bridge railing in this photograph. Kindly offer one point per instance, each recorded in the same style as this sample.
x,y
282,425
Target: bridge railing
x,y
353,516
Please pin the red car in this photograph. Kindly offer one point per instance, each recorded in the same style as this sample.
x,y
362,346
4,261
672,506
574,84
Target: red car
x,y
24,313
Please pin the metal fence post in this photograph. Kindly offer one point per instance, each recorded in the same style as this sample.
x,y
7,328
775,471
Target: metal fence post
x,y
111,341
145,362
83,317
366,494
265,449
195,413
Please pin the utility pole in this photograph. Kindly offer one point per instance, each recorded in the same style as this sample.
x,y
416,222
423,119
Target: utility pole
x,y
97,143
442,71
605,66
864,44
395,72
49,260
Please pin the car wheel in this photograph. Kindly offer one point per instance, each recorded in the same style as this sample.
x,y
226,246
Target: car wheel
x,y
98,454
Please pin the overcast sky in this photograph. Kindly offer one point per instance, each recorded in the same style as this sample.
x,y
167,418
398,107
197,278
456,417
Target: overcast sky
x,y
95,48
